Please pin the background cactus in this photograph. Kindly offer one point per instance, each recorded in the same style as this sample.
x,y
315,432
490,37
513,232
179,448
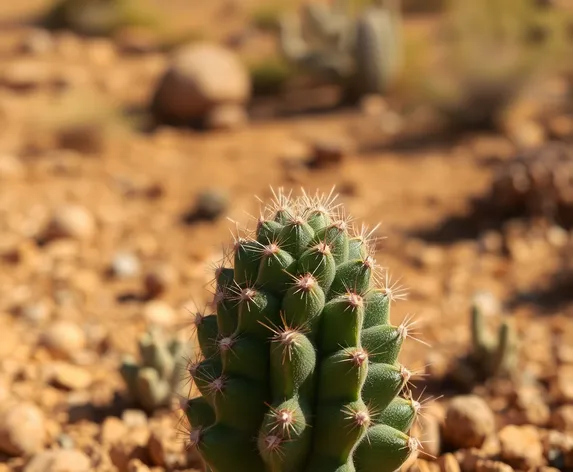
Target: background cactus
x,y
153,382
362,52
299,366
491,355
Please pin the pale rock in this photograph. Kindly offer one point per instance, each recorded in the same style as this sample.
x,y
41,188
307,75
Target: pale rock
x,y
469,420
71,221
22,429
64,339
71,377
201,76
159,312
521,446
62,460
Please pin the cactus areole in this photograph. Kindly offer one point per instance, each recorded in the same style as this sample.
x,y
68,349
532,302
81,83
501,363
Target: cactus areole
x,y
299,368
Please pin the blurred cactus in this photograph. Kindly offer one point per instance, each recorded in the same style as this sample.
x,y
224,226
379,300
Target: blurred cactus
x,y
154,381
361,52
97,17
491,355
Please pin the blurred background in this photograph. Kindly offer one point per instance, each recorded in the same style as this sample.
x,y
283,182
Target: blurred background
x,y
136,134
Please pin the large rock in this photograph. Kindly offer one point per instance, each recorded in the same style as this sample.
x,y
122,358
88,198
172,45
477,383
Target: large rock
x,y
22,429
201,78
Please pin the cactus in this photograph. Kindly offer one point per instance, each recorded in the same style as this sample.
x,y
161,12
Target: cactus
x,y
362,53
300,366
491,355
154,382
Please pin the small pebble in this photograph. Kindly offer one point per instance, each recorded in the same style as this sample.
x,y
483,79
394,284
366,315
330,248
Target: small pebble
x,y
64,339
158,312
125,265
71,221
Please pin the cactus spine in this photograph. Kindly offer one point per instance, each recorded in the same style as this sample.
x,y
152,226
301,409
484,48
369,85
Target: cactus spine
x,y
153,382
363,53
300,366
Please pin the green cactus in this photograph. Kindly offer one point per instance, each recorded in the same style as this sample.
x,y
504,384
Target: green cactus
x,y
299,369
491,356
361,52
153,382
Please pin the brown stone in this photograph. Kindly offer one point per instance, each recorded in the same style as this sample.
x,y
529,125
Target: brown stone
x,y
469,420
521,446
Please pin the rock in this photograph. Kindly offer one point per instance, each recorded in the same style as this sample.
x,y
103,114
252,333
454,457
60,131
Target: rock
x,y
165,450
325,153
135,465
158,312
112,430
563,384
134,418
37,42
468,458
488,465
421,465
226,117
59,461
562,418
201,77
521,446
532,405
448,463
71,221
132,446
158,280
11,168
71,377
64,339
25,75
210,204
469,420
125,265
22,429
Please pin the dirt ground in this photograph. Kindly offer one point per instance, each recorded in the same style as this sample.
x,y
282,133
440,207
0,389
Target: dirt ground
x,y
66,320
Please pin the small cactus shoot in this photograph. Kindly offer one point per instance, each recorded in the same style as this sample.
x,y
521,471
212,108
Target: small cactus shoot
x,y
152,382
299,368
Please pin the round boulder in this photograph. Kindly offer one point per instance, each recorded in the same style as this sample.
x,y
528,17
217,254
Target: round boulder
x,y
201,77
